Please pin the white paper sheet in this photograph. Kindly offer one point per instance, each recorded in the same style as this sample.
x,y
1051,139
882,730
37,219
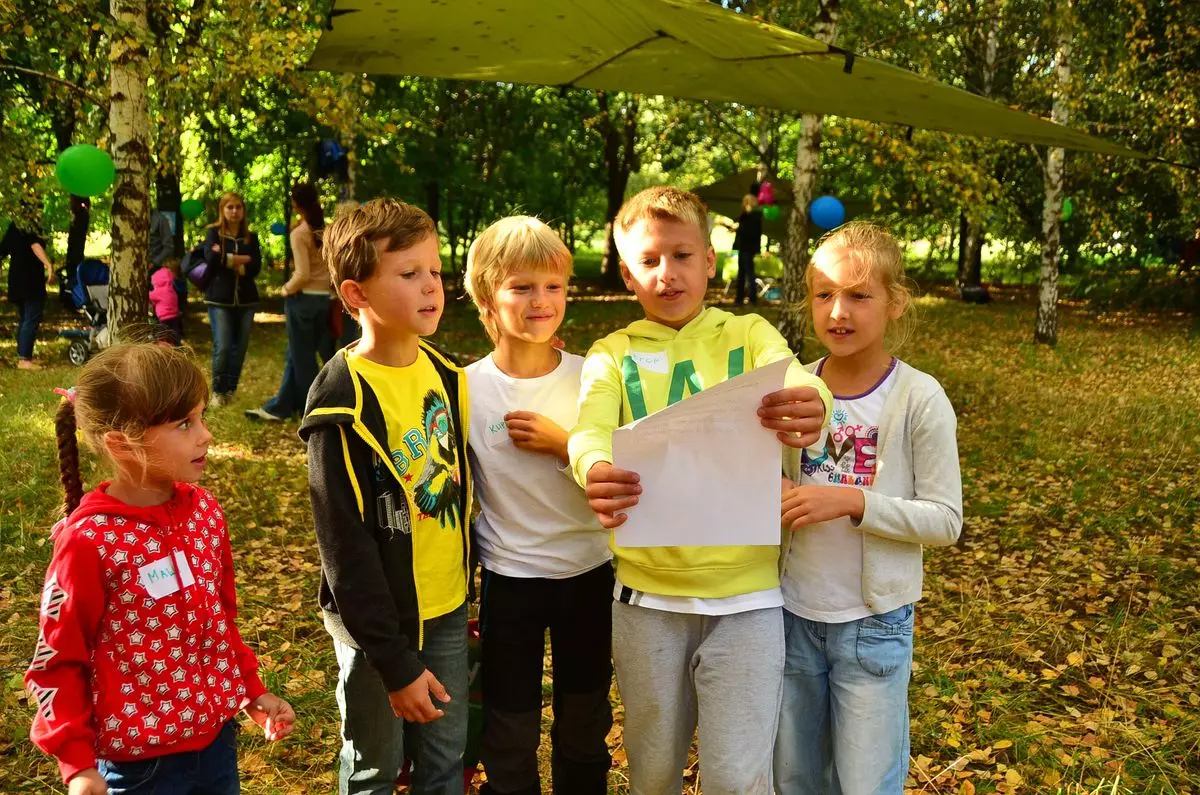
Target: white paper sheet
x,y
709,470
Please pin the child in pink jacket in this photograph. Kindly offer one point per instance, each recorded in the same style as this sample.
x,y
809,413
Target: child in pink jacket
x,y
165,301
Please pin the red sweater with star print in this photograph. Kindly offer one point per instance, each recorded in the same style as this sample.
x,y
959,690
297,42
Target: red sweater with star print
x,y
139,653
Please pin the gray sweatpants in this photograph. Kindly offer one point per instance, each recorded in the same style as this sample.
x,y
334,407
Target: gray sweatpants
x,y
676,671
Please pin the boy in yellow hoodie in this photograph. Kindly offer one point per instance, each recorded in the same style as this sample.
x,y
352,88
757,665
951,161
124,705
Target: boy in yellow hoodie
x,y
697,631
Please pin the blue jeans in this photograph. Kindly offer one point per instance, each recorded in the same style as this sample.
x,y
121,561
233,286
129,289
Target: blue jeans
x,y
307,327
373,738
29,317
843,727
231,337
209,771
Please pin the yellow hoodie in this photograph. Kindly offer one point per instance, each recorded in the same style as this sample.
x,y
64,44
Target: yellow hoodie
x,y
646,367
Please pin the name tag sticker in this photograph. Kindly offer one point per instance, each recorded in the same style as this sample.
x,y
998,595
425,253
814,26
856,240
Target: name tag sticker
x,y
651,362
185,571
496,431
164,576
159,577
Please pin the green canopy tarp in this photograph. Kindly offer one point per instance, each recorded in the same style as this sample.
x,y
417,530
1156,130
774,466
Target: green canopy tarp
x,y
691,49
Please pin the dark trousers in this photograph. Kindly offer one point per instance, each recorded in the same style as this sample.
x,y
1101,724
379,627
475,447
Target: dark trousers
x,y
515,614
29,317
746,282
172,330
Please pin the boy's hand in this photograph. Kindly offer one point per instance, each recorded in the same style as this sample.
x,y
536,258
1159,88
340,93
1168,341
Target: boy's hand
x,y
795,413
413,703
610,490
805,505
273,714
537,434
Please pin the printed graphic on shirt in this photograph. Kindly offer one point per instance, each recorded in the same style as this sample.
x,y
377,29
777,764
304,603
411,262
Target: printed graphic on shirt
x,y
846,454
684,378
392,514
431,451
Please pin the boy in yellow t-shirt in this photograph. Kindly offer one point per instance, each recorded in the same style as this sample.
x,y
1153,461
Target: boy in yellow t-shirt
x,y
697,631
386,427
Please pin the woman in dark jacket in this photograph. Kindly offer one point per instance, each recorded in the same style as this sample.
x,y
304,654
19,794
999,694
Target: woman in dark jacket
x,y
29,271
232,253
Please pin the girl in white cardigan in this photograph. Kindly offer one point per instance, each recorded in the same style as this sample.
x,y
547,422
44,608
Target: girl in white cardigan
x,y
882,481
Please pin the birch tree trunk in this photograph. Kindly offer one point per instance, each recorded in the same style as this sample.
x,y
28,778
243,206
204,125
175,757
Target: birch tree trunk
x,y
808,164
129,125
1046,324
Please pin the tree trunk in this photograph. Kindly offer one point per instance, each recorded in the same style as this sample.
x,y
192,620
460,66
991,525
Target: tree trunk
x,y
1046,324
766,166
168,199
80,206
808,163
433,196
970,263
129,125
285,157
450,228
620,160
351,173
81,220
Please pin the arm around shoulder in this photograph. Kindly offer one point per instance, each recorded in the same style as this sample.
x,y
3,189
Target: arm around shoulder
x,y
934,515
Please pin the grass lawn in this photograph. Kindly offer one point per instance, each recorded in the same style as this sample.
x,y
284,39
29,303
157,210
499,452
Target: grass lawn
x,y
1055,647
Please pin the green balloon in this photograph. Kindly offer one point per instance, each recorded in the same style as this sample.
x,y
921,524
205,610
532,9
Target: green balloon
x,y
771,212
85,170
191,209
1068,209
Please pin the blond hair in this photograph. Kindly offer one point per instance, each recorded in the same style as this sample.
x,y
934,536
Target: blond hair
x,y
127,388
873,254
664,203
518,242
749,203
350,249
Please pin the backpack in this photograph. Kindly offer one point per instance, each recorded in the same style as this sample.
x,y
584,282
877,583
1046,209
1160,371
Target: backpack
x,y
194,267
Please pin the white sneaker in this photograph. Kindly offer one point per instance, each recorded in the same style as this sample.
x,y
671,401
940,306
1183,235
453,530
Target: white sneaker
x,y
217,400
261,414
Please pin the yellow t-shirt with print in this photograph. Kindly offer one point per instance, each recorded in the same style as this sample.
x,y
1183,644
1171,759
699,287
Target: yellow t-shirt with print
x,y
423,443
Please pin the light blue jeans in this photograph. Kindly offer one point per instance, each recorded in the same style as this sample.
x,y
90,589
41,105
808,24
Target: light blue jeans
x,y
843,727
375,742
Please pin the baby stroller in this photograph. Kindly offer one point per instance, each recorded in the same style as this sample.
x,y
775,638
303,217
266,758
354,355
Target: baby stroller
x,y
89,295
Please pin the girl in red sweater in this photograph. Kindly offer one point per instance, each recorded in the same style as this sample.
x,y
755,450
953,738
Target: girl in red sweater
x,y
139,670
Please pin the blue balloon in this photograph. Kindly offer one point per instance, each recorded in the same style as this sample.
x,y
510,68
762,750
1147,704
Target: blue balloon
x,y
278,228
827,212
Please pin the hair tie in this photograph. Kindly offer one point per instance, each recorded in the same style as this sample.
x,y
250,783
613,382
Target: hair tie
x,y
68,394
